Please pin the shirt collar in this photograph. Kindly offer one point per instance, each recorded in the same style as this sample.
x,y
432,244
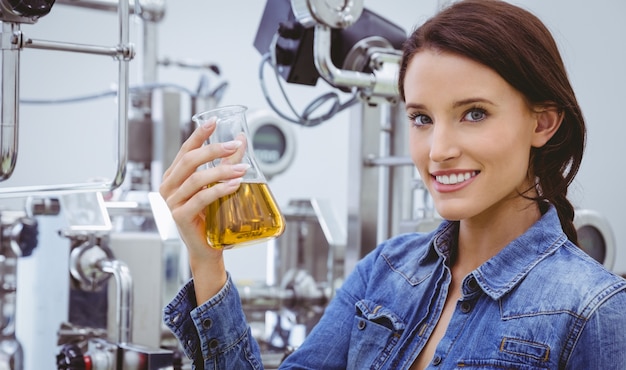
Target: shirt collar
x,y
503,271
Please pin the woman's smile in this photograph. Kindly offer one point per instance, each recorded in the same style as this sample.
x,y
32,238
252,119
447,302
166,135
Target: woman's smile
x,y
451,181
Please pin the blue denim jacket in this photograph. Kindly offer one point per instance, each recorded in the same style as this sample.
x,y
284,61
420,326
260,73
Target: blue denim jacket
x,y
541,303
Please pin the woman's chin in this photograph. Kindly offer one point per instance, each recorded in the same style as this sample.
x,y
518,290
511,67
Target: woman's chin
x,y
452,212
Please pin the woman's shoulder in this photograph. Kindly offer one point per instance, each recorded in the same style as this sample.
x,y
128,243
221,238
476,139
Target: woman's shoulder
x,y
574,280
573,262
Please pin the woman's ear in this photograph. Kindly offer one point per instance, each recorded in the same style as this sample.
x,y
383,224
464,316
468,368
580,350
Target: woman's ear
x,y
549,120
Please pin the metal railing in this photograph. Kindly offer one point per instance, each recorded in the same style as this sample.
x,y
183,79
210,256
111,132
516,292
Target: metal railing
x,y
12,42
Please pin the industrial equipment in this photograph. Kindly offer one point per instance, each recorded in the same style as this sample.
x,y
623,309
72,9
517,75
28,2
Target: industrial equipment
x,y
273,141
595,236
89,335
125,260
356,52
13,14
18,238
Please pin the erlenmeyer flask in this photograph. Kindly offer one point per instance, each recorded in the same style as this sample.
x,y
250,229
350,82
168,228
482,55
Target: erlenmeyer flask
x,y
250,215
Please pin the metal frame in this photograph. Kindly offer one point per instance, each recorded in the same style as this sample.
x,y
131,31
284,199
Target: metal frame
x,y
378,164
13,41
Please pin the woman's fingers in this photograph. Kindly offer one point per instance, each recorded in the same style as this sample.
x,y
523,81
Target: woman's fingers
x,y
238,155
186,211
194,141
192,155
195,186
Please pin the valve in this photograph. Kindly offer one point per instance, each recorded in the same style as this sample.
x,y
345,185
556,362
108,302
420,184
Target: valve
x,y
72,358
26,231
19,234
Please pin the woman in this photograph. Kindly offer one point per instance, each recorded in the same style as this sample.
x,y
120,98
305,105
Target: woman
x,y
497,136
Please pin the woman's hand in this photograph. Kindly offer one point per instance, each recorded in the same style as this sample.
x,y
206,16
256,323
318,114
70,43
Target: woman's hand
x,y
186,193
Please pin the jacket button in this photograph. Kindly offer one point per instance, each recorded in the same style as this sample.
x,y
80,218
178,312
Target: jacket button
x,y
436,360
207,323
361,325
213,344
472,284
466,307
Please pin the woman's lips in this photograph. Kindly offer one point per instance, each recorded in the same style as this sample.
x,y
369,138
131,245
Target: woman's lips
x,y
448,181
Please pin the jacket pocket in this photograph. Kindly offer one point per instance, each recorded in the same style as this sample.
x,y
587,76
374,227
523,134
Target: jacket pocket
x,y
375,332
495,365
515,354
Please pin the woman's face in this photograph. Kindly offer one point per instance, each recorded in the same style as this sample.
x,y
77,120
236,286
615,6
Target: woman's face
x,y
470,136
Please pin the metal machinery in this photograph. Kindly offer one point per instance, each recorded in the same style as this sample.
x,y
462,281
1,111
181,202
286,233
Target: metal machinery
x,y
18,238
139,247
125,259
88,339
356,51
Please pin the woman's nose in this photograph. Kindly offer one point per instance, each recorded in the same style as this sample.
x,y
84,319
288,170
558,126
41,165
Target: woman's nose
x,y
443,144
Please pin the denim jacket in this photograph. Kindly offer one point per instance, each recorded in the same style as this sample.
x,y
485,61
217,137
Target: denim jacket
x,y
540,303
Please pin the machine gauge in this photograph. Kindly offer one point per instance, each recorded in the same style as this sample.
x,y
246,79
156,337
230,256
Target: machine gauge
x,y
595,236
273,141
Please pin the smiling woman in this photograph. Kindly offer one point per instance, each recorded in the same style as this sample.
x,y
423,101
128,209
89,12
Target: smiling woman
x,y
472,146
472,143
497,136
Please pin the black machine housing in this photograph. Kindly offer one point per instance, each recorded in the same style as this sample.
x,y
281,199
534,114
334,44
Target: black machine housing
x,y
294,42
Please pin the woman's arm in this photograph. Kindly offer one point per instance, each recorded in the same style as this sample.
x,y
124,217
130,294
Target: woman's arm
x,y
215,334
186,194
206,315
602,342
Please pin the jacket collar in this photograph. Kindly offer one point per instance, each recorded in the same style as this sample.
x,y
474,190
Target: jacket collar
x,y
505,270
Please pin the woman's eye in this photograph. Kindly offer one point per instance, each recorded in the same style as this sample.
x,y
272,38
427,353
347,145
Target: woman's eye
x,y
421,120
475,115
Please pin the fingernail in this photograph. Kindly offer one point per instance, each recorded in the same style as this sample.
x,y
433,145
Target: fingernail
x,y
234,182
241,167
231,144
208,124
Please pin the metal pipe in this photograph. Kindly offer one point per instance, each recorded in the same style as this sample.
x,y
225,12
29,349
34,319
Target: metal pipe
x,y
384,179
79,48
388,161
122,94
108,5
8,284
10,98
149,10
264,298
328,71
11,354
124,285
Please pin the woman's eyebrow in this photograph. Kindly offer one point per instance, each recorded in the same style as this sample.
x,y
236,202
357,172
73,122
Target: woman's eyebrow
x,y
456,104
415,106
469,101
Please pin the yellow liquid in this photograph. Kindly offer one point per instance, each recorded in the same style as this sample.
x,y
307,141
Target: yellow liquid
x,y
249,215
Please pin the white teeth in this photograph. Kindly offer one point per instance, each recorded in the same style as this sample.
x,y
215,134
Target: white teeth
x,y
454,178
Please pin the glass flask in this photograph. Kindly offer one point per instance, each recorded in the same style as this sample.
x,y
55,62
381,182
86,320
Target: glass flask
x,y
250,215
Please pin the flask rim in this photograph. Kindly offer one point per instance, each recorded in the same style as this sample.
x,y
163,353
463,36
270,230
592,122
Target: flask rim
x,y
230,109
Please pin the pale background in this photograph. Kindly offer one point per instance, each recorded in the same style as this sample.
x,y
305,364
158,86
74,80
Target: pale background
x,y
74,142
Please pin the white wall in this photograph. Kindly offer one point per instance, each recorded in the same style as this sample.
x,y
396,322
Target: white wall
x,y
72,143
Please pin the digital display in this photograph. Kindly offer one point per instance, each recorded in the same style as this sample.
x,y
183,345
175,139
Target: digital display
x,y
269,143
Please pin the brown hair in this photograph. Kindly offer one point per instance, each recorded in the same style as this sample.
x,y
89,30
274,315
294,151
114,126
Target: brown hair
x,y
518,46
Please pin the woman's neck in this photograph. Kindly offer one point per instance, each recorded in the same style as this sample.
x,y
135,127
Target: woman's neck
x,y
483,236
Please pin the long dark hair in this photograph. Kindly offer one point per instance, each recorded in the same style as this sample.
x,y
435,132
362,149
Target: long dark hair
x,y
518,46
